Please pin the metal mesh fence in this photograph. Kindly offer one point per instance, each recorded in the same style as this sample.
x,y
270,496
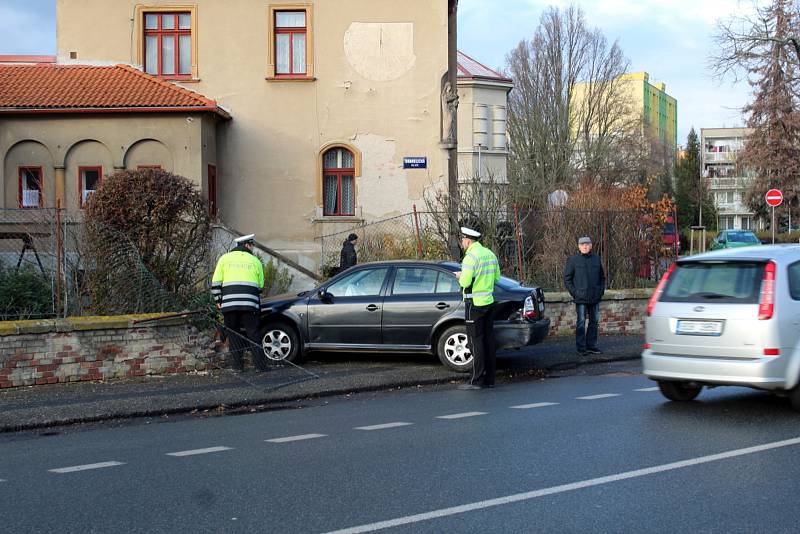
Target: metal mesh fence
x,y
28,265
531,245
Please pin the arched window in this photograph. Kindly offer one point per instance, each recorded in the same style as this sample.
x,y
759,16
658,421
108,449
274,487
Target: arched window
x,y
338,182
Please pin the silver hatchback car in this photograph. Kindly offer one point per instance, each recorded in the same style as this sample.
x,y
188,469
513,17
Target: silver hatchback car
x,y
728,317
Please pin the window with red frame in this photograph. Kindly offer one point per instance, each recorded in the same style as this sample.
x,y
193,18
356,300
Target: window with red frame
x,y
338,183
89,179
168,44
31,187
290,43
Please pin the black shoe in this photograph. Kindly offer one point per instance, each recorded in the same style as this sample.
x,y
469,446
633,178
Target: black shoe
x,y
469,387
594,350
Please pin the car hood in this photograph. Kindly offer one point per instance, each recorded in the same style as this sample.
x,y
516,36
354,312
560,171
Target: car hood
x,y
279,301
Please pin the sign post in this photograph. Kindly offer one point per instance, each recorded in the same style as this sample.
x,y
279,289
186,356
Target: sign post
x,y
774,197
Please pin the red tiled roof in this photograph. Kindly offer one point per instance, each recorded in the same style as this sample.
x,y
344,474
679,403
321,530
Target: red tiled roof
x,y
470,68
43,88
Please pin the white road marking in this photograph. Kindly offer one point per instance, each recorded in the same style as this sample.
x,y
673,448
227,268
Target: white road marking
x,y
528,495
534,405
295,438
460,415
648,389
381,427
601,396
85,467
199,451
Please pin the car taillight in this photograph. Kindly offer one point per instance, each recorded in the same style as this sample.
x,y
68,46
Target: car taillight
x,y
659,289
766,301
529,310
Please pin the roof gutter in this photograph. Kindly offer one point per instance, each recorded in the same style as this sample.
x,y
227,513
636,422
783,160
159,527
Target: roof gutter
x,y
56,111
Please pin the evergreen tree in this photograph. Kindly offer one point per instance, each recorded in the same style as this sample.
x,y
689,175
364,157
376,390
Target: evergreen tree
x,y
691,188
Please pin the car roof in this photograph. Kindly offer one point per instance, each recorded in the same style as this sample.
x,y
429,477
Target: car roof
x,y
783,252
422,263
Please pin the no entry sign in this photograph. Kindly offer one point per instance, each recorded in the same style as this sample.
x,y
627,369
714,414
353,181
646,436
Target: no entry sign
x,y
774,197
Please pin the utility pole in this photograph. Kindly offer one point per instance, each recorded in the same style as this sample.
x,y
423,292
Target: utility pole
x,y
452,147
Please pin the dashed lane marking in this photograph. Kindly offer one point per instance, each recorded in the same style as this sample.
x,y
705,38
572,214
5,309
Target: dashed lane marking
x,y
648,389
295,438
194,452
383,426
85,467
601,396
529,495
534,405
460,415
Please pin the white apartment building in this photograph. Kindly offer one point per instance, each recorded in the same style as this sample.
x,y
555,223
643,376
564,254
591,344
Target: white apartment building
x,y
727,181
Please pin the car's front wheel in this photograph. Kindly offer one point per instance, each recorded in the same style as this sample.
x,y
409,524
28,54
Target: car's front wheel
x,y
453,349
280,342
679,391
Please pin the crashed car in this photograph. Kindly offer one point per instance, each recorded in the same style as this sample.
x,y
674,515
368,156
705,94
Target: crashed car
x,y
396,306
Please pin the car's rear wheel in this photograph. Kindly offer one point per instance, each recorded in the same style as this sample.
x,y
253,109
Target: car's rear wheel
x,y
679,391
794,397
453,349
280,342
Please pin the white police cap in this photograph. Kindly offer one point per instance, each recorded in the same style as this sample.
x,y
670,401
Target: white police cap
x,y
249,238
469,232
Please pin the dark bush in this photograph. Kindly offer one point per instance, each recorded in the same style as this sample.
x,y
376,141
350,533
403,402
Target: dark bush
x,y
24,294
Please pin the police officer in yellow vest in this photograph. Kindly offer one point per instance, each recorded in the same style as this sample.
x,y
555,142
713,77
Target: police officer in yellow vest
x,y
236,288
479,272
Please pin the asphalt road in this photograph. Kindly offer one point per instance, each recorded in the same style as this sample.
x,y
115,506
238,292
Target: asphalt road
x,y
582,453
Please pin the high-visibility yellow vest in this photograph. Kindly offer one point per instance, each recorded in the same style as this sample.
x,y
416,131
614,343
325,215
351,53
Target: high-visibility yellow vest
x,y
479,272
238,280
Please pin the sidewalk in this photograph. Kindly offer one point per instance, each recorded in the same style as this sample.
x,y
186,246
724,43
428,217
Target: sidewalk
x,y
323,375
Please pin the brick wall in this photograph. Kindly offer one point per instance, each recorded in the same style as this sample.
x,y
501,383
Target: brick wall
x,y
96,348
622,311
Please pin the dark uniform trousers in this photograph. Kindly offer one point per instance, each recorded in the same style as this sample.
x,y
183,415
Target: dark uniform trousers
x,y
480,331
235,320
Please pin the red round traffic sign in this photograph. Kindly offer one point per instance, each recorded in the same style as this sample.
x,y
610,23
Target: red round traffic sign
x,y
774,197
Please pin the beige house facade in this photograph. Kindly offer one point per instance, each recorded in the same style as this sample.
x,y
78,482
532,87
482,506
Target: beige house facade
x,y
482,121
329,103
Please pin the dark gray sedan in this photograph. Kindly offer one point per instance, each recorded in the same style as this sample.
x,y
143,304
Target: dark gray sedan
x,y
396,306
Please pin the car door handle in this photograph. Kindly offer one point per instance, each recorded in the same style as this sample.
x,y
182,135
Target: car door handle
x,y
373,307
442,306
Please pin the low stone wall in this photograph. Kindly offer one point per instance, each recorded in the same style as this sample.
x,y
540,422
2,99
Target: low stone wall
x,y
622,311
97,348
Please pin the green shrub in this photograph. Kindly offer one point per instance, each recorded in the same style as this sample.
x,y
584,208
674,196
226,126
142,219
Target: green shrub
x,y
24,294
277,278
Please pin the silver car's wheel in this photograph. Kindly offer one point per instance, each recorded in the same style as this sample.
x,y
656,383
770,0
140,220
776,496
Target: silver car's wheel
x,y
279,342
453,349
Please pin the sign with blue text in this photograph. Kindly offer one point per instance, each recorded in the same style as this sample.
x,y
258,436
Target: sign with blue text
x,y
417,162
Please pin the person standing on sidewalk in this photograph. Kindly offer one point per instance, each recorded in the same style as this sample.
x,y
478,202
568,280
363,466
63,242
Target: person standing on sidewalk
x,y
348,256
479,272
236,288
586,282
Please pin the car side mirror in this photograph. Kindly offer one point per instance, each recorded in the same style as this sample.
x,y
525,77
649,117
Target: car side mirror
x,y
324,296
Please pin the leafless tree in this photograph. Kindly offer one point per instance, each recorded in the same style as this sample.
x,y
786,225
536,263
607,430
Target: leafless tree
x,y
762,48
568,109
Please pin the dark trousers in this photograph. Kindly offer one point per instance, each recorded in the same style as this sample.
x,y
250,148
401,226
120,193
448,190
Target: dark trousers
x,y
235,320
586,337
480,332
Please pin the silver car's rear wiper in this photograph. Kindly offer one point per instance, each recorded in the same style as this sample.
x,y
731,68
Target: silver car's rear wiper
x,y
709,295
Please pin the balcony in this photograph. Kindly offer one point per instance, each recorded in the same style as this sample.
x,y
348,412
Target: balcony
x,y
719,157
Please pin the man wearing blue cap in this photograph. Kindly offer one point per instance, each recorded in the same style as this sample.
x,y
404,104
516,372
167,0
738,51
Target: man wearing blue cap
x,y
586,282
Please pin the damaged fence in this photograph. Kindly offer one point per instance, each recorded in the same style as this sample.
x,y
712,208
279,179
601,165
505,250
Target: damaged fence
x,y
531,245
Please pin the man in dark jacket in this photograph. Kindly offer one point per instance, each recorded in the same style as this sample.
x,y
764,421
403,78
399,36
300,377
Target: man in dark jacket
x,y
348,256
586,282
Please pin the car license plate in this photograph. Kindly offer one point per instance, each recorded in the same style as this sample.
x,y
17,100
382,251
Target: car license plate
x,y
700,328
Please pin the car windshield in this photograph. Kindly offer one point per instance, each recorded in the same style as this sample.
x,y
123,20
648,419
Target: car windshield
x,y
507,283
723,282
742,237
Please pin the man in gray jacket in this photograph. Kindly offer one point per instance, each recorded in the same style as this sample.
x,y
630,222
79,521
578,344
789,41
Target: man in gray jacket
x,y
586,282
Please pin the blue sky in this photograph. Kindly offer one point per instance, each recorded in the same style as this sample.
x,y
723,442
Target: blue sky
x,y
671,40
